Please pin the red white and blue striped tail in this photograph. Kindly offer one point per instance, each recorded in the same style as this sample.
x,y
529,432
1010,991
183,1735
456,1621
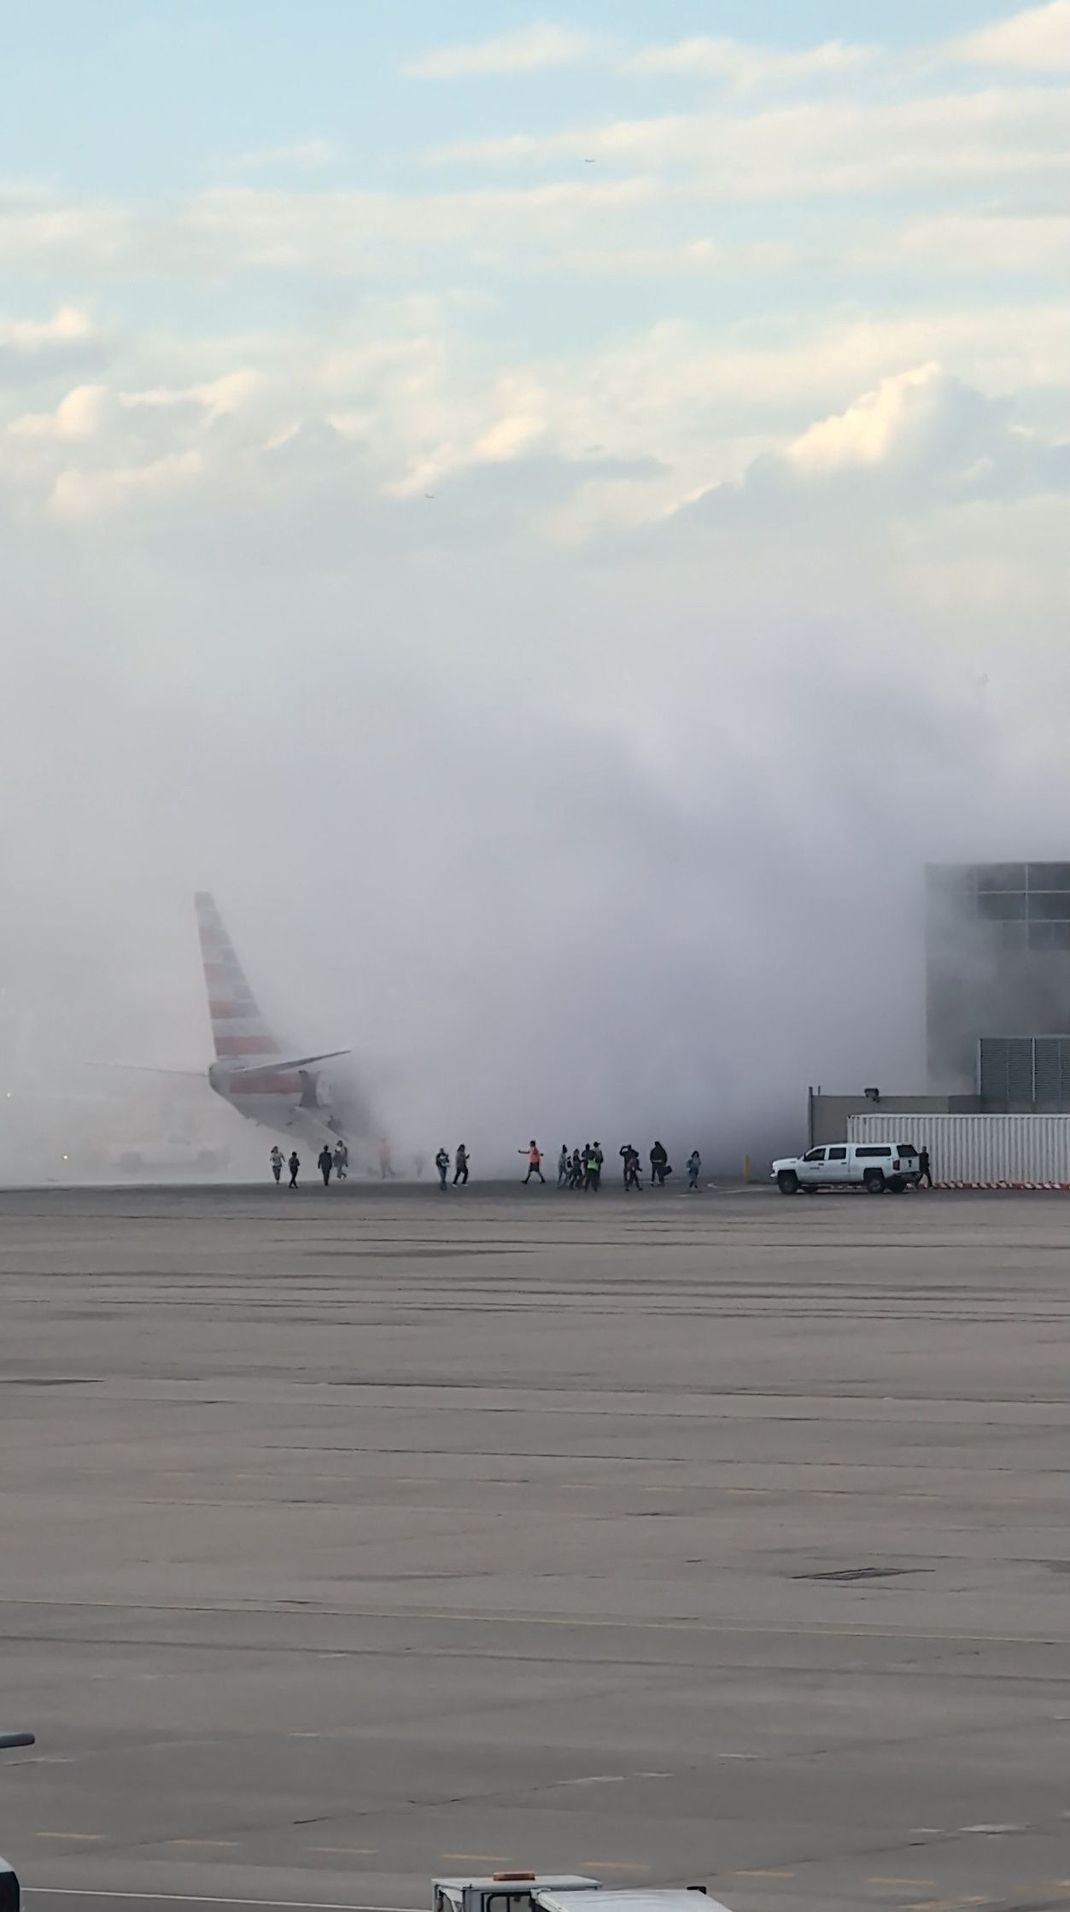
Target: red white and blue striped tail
x,y
240,1034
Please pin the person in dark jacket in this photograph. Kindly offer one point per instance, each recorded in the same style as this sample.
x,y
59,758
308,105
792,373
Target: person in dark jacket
x,y
659,1163
460,1165
325,1163
294,1165
925,1169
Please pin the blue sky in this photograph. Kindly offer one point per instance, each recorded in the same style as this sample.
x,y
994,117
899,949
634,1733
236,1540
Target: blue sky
x,y
122,94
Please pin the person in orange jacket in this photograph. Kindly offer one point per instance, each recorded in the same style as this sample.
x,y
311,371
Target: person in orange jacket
x,y
534,1155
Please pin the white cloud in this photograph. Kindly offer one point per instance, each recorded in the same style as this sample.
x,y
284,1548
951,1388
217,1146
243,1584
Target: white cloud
x,y
79,415
70,323
40,233
621,433
878,424
989,243
218,397
509,438
695,258
743,65
923,439
839,146
306,156
531,49
78,494
1037,40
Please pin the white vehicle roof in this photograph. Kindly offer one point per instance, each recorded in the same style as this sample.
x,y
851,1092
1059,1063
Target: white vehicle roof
x,y
630,1899
520,1883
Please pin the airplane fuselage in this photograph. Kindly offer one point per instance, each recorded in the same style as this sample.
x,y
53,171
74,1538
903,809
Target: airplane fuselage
x,y
284,1100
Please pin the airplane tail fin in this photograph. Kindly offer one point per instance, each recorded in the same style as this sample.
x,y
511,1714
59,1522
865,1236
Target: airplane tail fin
x,y
239,1031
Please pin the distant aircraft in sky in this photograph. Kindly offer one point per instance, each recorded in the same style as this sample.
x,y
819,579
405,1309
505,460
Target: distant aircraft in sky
x,y
291,1095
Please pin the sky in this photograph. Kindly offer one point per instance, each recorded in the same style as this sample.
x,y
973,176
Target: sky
x,y
552,516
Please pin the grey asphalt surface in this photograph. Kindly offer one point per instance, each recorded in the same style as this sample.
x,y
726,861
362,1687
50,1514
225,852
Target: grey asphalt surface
x,y
351,1538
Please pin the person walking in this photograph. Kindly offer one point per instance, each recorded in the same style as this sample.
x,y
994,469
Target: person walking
x,y
576,1169
631,1168
294,1166
925,1169
694,1169
563,1167
534,1155
442,1163
659,1163
460,1166
593,1174
341,1161
325,1163
275,1158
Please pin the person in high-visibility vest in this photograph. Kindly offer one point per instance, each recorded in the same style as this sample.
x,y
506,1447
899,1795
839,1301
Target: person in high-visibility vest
x,y
534,1155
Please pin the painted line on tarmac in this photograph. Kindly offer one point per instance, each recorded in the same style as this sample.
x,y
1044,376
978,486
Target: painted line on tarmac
x,y
206,1845
442,1616
919,1885
346,1852
85,1837
613,1865
479,1858
194,1898
950,1905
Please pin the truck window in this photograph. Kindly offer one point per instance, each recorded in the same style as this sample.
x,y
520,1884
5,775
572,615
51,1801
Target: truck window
x,y
814,1155
873,1153
837,1155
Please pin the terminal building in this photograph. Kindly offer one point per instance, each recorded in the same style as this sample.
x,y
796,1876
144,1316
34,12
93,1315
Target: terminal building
x,y
997,982
997,998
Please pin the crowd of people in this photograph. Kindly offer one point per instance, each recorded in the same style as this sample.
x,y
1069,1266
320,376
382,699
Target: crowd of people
x,y
578,1168
329,1162
581,1168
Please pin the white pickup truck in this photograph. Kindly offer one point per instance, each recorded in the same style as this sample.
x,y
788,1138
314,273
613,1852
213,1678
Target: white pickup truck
x,y
874,1166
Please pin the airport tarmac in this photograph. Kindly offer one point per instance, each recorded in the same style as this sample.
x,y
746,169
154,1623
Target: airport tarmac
x,y
353,1537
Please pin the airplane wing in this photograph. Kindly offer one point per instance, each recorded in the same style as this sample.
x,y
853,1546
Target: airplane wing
x,y
273,1064
148,1068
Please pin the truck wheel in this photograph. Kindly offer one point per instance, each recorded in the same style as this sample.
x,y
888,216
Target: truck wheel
x,y
873,1181
788,1182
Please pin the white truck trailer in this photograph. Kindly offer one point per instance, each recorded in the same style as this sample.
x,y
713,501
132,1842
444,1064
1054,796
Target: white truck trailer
x,y
548,1892
979,1151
